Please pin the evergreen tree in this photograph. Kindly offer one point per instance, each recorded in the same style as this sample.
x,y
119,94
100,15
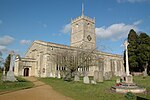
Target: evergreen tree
x,y
1,61
132,50
7,63
144,51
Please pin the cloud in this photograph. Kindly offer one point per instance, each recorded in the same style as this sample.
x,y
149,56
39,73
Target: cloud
x,y
4,49
6,40
138,22
24,42
115,31
66,28
131,1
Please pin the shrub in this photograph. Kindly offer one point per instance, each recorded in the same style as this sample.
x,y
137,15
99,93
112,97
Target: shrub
x,y
129,96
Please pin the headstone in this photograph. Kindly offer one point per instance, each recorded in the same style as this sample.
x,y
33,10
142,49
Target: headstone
x,y
93,82
58,75
110,74
3,78
129,79
76,78
98,76
118,80
122,79
51,75
86,80
68,77
106,76
54,75
63,74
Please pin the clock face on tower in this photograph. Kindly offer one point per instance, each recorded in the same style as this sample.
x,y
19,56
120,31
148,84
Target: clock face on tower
x,y
89,37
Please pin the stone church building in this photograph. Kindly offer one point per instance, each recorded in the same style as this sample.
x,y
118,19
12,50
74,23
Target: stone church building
x,y
38,60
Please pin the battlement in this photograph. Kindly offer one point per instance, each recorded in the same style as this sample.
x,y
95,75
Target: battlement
x,y
83,17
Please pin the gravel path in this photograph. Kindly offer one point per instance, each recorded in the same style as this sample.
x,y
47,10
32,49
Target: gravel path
x,y
40,91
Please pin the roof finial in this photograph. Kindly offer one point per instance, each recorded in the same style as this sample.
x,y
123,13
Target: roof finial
x,y
82,9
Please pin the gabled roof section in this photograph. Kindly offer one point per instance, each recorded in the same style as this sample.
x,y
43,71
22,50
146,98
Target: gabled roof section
x,y
67,47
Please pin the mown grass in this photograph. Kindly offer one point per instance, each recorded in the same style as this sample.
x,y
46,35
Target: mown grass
x,y
100,91
11,86
143,82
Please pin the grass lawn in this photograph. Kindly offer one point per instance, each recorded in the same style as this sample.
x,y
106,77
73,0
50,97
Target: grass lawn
x,y
10,86
144,82
100,91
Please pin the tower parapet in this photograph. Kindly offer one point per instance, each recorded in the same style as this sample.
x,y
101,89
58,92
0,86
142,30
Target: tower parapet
x,y
83,18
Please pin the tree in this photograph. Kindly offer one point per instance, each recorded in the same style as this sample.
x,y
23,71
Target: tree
x,y
71,60
1,62
132,50
139,52
7,63
144,51
1,59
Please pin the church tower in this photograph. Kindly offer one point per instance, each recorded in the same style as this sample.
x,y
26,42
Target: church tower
x,y
83,32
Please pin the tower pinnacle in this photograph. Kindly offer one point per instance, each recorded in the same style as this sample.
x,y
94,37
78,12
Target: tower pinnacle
x,y
82,9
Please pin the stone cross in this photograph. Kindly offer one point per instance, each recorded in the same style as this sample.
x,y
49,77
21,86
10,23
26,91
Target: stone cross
x,y
11,60
10,74
127,62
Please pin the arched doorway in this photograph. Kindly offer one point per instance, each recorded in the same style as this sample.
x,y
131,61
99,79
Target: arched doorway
x,y
26,72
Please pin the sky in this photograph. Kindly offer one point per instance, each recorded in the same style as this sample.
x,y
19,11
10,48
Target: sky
x,y
23,21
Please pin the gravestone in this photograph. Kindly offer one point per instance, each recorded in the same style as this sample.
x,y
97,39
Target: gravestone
x,y
86,80
54,75
58,75
51,75
76,78
98,76
118,81
67,77
108,75
93,82
129,79
63,74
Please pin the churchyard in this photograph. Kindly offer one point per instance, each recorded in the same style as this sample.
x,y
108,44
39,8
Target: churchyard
x,y
100,91
13,86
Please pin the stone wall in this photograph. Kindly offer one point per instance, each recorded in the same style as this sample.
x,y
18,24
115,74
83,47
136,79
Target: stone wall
x,y
43,63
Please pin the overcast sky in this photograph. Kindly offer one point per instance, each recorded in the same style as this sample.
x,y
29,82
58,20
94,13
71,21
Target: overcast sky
x,y
23,21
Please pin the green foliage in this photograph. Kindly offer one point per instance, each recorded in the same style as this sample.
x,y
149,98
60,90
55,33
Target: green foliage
x,y
130,96
138,51
7,63
132,47
144,50
80,91
1,59
20,84
100,91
